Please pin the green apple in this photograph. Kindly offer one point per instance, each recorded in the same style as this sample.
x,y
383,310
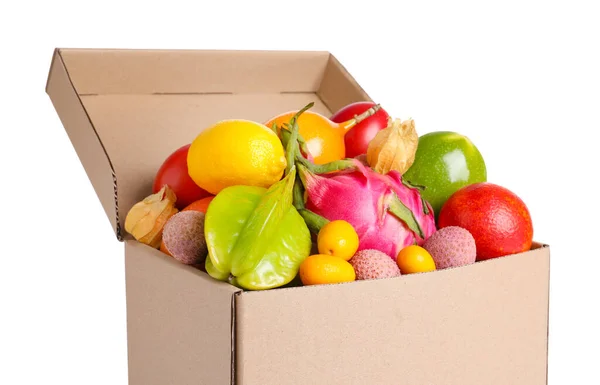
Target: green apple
x,y
445,161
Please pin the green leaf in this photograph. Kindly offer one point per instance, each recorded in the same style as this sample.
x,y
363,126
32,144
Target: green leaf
x,y
413,186
425,208
400,211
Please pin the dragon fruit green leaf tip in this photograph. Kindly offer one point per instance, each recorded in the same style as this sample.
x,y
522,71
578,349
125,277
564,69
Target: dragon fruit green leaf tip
x,y
386,213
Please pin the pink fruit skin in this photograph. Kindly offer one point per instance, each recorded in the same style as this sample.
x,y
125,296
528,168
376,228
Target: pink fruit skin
x,y
360,197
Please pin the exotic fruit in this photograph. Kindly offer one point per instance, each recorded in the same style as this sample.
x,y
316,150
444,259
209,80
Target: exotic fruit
x,y
256,239
183,237
146,219
386,212
394,147
445,161
373,264
358,138
324,138
497,218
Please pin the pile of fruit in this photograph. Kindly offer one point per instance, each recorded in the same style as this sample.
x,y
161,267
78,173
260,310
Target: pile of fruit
x,y
304,199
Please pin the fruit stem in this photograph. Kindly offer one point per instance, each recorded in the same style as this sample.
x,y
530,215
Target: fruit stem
x,y
336,165
314,221
290,151
274,128
292,143
347,125
298,193
285,138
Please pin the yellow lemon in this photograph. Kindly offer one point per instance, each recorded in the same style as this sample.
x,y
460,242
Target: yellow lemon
x,y
236,152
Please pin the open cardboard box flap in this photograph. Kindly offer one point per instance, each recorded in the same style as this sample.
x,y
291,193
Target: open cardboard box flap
x,y
126,110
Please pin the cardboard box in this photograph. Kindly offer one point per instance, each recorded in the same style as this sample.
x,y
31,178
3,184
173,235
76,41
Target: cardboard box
x,y
127,110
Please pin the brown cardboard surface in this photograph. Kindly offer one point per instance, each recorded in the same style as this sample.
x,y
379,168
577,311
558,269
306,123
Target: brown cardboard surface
x,y
338,88
178,321
83,136
140,131
194,71
144,104
481,324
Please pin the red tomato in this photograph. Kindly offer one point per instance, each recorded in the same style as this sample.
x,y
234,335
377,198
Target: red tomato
x,y
358,138
174,172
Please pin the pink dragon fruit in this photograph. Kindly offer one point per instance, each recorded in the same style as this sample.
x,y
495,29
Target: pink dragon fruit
x,y
386,213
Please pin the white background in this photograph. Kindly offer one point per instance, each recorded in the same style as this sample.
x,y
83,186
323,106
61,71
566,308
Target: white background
x,y
521,79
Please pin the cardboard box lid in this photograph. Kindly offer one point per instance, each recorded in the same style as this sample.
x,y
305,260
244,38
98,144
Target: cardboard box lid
x,y
125,111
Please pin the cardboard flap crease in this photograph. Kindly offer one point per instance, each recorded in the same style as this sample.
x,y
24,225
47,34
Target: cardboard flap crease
x,y
126,110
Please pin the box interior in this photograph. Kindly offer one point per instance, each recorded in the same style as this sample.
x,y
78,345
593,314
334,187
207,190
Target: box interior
x,y
144,104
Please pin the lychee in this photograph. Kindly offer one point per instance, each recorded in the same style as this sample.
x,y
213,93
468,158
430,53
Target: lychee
x,y
183,237
374,264
451,246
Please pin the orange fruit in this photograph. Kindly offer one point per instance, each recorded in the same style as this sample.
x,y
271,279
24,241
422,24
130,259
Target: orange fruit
x,y
324,138
200,205
415,259
319,269
338,238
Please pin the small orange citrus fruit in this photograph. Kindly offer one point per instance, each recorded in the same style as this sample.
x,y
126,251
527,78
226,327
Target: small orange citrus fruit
x,y
415,259
338,238
319,269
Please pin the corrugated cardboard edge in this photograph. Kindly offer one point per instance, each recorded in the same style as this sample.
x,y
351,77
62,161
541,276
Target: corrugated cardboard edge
x,y
79,127
233,337
548,316
164,293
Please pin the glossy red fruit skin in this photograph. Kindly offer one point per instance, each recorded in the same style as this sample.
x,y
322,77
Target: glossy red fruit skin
x,y
174,173
358,138
497,218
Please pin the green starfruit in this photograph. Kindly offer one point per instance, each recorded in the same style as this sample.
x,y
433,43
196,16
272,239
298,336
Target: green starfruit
x,y
256,238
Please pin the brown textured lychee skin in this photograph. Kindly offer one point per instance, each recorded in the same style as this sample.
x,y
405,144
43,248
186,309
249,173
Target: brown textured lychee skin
x,y
183,236
451,246
373,264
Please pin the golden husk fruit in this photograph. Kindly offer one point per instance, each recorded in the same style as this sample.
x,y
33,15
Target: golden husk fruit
x,y
394,147
146,219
